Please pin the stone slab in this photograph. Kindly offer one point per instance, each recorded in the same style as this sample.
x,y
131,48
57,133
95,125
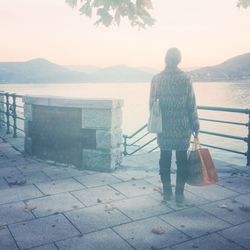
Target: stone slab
x,y
208,242
14,212
42,231
7,242
58,101
3,183
106,139
60,186
240,184
212,193
9,172
134,188
139,234
46,247
96,218
96,180
131,174
141,207
244,199
194,222
228,210
19,193
54,204
239,234
94,196
101,240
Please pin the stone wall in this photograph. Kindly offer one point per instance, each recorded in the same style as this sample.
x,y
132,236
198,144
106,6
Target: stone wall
x,y
84,132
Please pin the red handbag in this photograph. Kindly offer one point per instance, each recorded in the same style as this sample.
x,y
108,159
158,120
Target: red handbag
x,y
202,171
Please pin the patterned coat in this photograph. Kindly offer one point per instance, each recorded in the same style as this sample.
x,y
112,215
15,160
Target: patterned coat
x,y
178,107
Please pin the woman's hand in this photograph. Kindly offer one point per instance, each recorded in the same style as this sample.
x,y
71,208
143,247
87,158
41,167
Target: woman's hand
x,y
196,134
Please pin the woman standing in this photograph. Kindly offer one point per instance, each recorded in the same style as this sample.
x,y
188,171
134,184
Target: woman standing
x,y
174,90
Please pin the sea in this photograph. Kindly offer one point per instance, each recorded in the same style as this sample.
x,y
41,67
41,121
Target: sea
x,y
135,109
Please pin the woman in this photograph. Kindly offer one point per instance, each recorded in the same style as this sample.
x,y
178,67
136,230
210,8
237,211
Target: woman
x,y
174,90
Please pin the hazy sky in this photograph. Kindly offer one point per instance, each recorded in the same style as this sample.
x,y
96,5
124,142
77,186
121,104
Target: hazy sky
x,y
207,32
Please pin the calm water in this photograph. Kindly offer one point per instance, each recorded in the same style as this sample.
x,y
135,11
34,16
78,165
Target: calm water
x,y
135,111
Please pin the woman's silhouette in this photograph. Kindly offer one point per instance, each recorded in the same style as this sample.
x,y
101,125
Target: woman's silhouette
x,y
174,90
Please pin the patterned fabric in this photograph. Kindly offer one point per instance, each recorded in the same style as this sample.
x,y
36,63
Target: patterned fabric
x,y
178,106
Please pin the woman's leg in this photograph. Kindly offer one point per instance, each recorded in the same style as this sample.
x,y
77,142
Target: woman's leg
x,y
182,172
165,169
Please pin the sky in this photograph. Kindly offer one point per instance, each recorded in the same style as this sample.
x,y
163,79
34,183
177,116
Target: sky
x,y
207,32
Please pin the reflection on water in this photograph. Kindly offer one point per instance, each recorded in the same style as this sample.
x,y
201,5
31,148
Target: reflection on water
x,y
234,95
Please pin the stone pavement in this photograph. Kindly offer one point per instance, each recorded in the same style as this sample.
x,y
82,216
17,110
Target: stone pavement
x,y
47,207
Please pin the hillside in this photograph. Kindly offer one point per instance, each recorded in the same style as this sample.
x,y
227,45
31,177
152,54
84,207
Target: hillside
x,y
38,71
236,68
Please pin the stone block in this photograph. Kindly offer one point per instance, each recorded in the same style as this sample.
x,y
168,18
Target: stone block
x,y
46,247
6,240
28,145
96,118
14,212
106,139
101,160
139,234
96,218
28,112
54,204
101,240
194,222
42,231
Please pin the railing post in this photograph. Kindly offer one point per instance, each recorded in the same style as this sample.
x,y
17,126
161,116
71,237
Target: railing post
x,y
14,115
248,142
125,145
8,112
1,109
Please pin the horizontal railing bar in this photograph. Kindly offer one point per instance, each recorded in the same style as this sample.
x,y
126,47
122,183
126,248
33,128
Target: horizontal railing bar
x,y
226,122
143,146
224,135
20,118
136,132
19,106
20,129
224,109
131,144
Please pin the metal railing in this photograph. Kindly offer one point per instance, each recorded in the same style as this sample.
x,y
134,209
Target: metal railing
x,y
11,112
129,141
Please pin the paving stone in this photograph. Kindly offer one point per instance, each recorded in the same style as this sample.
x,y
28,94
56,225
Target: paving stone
x,y
93,196
239,184
7,172
141,207
19,193
46,247
139,234
14,212
54,204
96,180
194,222
134,188
42,231
239,234
6,240
101,240
60,186
95,218
190,200
130,174
57,172
212,193
208,242
229,211
244,199
3,183
32,167
36,177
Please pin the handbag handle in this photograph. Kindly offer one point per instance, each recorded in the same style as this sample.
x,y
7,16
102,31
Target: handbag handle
x,y
196,144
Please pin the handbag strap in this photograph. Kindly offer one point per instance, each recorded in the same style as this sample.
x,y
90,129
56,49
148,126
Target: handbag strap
x,y
196,144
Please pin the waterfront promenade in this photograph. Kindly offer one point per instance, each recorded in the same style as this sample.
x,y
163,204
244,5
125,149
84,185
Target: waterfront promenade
x,y
44,206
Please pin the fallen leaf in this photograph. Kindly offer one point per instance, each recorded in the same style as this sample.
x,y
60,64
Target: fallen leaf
x,y
109,207
99,200
30,208
133,178
222,206
158,230
158,189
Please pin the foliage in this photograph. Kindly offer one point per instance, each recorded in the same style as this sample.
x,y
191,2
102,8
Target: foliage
x,y
112,11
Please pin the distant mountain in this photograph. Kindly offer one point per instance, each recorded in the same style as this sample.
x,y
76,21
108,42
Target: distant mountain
x,y
43,71
236,68
38,71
